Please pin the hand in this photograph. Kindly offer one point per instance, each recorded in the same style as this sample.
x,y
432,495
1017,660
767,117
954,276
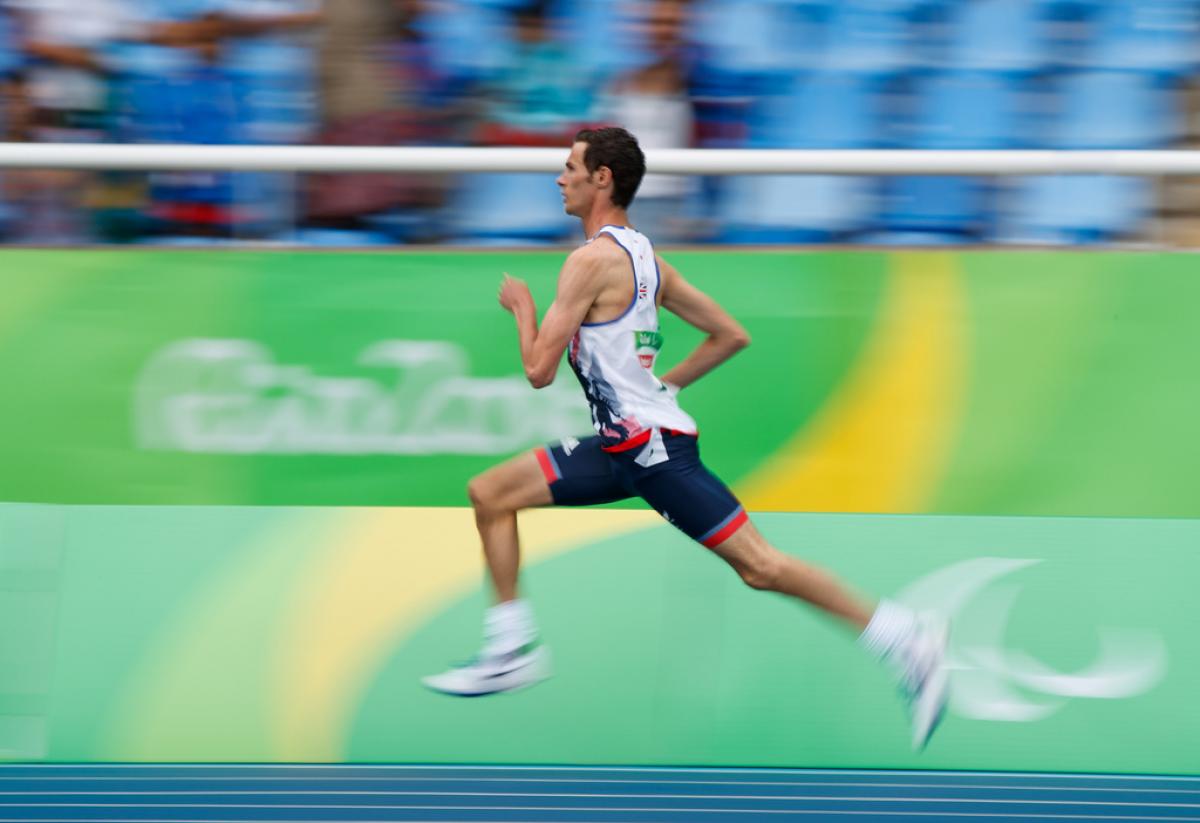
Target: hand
x,y
514,294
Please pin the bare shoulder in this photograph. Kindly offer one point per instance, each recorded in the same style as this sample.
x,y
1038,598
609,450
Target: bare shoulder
x,y
597,259
668,274
602,251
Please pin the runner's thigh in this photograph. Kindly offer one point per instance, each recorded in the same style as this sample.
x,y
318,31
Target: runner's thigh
x,y
580,473
688,495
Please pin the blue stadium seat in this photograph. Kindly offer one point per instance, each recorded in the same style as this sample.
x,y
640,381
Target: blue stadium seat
x,y
467,42
953,110
869,37
274,86
592,26
963,110
275,82
337,238
508,208
1082,209
1070,11
824,110
998,36
934,210
1096,110
1113,110
1160,36
747,40
794,208
820,110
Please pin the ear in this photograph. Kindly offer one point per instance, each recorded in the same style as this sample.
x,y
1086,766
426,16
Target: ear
x,y
603,177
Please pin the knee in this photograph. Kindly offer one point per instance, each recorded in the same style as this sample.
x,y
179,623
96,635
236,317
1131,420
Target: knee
x,y
480,493
487,496
761,570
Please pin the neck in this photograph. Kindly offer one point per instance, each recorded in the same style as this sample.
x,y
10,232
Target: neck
x,y
604,216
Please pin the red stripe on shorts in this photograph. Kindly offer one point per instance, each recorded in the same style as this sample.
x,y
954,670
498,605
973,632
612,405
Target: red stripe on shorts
x,y
641,439
632,443
543,460
727,532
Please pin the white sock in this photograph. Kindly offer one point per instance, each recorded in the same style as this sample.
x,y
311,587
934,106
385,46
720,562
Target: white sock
x,y
890,630
508,626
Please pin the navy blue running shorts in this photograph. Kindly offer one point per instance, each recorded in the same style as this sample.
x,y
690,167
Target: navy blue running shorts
x,y
680,488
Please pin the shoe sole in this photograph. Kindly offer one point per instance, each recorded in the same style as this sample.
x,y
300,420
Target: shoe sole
x,y
535,672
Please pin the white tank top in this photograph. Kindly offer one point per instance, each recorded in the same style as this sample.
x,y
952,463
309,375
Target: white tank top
x,y
614,360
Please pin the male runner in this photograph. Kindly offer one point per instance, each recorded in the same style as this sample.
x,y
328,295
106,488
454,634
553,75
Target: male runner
x,y
605,314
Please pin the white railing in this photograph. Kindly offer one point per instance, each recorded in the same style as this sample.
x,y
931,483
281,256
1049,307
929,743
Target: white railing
x,y
158,157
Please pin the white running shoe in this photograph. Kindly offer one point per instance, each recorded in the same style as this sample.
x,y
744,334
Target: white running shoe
x,y
494,673
926,679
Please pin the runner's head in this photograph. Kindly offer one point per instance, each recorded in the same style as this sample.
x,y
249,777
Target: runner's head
x,y
605,162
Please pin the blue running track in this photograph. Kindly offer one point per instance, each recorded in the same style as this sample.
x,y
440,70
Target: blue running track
x,y
42,793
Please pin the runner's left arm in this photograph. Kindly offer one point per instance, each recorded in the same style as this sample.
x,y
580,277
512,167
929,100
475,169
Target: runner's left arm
x,y
542,348
726,336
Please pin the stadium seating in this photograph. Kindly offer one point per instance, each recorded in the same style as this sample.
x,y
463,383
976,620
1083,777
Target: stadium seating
x,y
823,110
951,111
592,26
869,37
469,42
273,83
910,74
500,209
996,36
1159,36
749,46
1094,110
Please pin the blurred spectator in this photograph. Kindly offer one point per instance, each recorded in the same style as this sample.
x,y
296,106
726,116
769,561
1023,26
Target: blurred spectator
x,y
542,95
217,72
10,64
43,206
375,74
64,44
172,88
710,73
62,96
652,101
268,49
11,55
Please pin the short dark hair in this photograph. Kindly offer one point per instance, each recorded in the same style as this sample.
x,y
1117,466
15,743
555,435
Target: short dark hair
x,y
616,148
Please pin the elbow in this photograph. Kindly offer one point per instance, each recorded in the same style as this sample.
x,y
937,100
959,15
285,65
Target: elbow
x,y
539,378
739,340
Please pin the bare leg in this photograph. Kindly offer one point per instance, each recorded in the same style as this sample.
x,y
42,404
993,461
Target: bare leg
x,y
497,495
763,566
511,656
891,631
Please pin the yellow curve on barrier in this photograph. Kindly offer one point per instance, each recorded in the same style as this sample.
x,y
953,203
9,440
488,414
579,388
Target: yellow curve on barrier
x,y
201,689
883,439
391,570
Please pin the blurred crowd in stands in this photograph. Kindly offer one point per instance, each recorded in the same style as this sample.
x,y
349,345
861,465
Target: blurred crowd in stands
x,y
936,74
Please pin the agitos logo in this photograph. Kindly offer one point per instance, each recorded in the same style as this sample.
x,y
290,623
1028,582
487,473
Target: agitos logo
x,y
991,681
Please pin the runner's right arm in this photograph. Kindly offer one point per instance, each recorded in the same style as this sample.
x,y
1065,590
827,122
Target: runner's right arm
x,y
726,336
579,283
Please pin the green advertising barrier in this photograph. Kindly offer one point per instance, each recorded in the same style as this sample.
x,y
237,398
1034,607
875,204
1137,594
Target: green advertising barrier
x,y
1034,383
252,634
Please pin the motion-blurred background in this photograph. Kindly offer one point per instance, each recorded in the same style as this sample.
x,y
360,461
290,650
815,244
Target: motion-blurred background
x,y
234,524
921,74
